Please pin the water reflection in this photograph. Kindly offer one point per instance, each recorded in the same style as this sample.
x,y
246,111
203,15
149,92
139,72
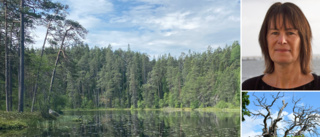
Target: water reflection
x,y
139,123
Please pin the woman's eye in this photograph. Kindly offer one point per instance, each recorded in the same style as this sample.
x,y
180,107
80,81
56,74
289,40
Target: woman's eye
x,y
291,33
274,33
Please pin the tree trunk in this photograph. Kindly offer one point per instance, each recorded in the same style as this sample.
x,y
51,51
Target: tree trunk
x,y
6,57
53,74
72,95
10,69
21,68
99,91
36,85
96,96
0,54
55,66
10,87
119,95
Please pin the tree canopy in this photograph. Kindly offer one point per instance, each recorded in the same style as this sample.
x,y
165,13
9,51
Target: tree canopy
x,y
245,103
103,77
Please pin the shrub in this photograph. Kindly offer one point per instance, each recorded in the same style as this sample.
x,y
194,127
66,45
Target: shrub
x,y
223,104
177,105
194,104
141,104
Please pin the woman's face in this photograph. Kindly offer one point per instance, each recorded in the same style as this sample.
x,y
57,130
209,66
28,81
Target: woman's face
x,y
283,43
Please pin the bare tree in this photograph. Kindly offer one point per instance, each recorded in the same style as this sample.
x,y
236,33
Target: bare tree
x,y
262,102
306,119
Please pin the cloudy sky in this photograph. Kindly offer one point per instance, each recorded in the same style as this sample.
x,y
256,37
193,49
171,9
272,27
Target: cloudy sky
x,y
253,12
253,126
156,27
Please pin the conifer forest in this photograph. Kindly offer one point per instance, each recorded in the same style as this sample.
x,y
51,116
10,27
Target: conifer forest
x,y
68,73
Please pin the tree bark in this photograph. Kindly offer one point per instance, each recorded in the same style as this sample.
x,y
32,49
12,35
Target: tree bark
x,y
6,57
10,69
0,53
21,68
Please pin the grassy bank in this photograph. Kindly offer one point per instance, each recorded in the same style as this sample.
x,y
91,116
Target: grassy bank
x,y
15,120
208,109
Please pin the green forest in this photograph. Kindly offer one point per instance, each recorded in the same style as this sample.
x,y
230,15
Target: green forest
x,y
102,77
67,73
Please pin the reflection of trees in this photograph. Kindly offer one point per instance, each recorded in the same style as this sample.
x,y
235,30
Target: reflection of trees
x,y
151,123
135,123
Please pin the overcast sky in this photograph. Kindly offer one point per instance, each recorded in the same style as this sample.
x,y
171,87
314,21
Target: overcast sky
x,y
156,27
253,126
253,13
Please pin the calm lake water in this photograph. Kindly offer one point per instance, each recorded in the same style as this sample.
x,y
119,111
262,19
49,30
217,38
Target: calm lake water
x,y
252,68
137,123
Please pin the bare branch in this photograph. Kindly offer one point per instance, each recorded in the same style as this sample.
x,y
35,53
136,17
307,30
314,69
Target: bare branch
x,y
305,118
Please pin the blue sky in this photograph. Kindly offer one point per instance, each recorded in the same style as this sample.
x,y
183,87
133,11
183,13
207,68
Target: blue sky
x,y
156,27
253,126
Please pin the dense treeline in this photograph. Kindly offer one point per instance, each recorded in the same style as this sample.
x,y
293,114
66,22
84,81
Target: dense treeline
x,y
103,77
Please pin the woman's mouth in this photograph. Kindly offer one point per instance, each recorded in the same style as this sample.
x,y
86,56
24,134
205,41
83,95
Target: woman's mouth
x,y
282,50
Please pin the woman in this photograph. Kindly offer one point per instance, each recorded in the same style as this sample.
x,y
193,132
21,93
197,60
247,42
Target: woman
x,y
285,40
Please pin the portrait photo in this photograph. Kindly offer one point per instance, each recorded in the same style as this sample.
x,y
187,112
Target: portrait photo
x,y
280,45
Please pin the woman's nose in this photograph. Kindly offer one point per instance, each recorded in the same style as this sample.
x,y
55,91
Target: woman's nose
x,y
282,39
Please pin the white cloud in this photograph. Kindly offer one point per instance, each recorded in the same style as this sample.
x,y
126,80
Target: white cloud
x,y
85,7
158,26
300,105
39,35
250,127
88,13
291,116
251,134
173,28
175,21
275,114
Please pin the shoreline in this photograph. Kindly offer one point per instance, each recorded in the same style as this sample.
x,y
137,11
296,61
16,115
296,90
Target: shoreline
x,y
167,109
16,120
